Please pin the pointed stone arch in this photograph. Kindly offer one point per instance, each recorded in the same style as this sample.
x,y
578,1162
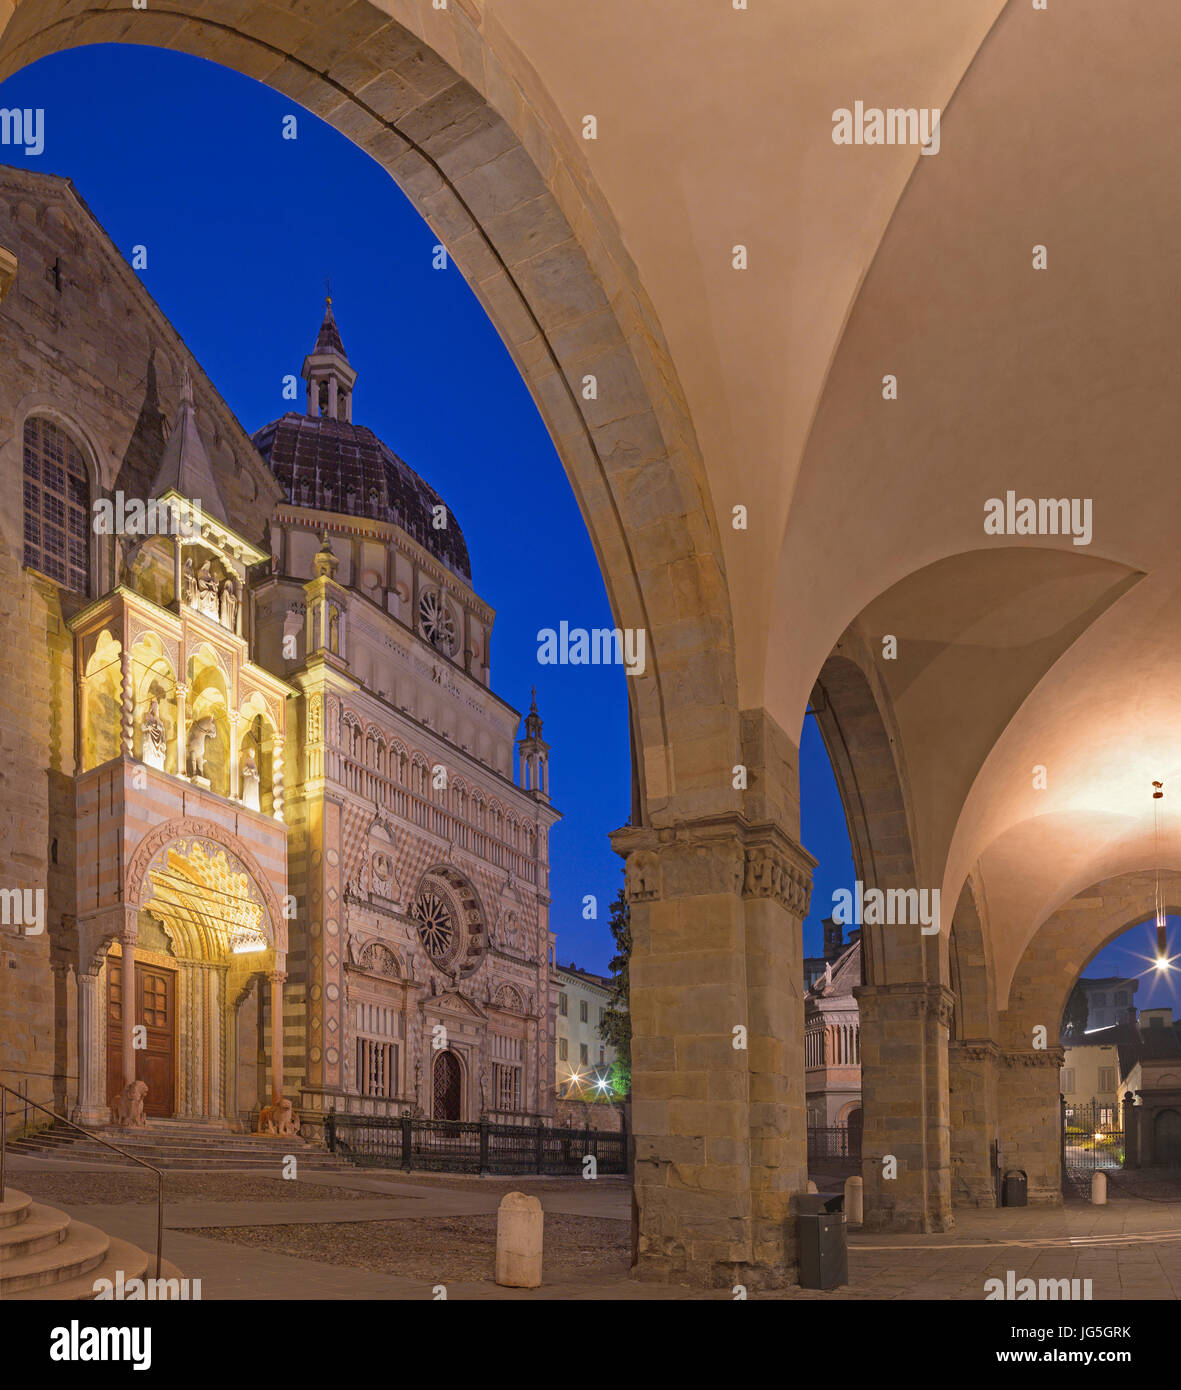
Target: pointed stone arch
x,y
499,179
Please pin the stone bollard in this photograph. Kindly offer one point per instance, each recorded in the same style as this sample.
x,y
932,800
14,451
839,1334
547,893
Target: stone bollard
x,y
812,1186
519,1235
854,1201
1099,1189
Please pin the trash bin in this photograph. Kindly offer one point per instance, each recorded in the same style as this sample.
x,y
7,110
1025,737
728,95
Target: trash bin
x,y
1016,1189
823,1244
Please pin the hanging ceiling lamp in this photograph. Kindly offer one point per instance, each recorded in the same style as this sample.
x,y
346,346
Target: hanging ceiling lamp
x,y
1162,951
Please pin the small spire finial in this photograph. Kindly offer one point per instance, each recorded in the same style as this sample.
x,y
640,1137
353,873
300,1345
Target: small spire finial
x,y
533,719
328,290
325,562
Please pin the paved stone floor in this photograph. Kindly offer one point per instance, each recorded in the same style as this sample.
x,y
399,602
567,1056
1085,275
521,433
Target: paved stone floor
x,y
1129,1249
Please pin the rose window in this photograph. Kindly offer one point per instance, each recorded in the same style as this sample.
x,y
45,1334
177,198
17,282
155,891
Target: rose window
x,y
450,922
436,926
434,617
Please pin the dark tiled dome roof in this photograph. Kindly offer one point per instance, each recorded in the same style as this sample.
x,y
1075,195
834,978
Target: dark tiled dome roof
x,y
334,466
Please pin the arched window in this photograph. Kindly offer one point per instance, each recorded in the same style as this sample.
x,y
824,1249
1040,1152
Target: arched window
x,y
57,505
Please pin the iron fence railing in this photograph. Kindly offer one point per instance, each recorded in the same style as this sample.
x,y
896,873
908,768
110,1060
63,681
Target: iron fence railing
x,y
456,1146
834,1142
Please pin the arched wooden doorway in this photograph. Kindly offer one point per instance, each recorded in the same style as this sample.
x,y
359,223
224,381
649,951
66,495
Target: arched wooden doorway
x,y
448,1087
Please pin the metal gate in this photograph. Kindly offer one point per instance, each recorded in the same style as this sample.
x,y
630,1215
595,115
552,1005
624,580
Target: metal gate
x,y
1092,1136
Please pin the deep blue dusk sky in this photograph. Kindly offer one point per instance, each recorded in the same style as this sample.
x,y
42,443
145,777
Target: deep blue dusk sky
x,y
242,227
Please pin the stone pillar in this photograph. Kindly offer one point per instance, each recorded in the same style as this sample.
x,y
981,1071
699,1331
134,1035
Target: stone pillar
x,y
178,546
92,1107
972,1085
182,730
717,1048
198,1021
127,940
235,789
904,1076
1029,1117
1131,1132
277,777
276,977
128,704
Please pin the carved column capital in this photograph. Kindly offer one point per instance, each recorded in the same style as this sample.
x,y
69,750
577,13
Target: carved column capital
x,y
716,854
911,1000
129,926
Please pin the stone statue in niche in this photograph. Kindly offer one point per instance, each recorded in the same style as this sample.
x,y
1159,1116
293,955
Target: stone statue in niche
x,y
334,632
155,737
250,782
207,591
229,603
188,584
199,731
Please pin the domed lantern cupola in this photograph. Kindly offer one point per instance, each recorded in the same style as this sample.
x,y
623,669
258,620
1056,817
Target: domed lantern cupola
x,y
328,373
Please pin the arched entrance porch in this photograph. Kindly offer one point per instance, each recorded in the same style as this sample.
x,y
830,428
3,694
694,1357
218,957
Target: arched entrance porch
x,y
183,983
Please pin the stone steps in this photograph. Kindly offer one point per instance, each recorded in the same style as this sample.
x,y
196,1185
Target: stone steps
x,y
45,1254
41,1229
82,1248
179,1147
14,1208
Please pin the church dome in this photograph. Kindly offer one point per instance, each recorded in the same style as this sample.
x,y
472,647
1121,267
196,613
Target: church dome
x,y
326,463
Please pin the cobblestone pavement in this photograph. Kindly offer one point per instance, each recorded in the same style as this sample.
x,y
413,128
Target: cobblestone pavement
x,y
377,1235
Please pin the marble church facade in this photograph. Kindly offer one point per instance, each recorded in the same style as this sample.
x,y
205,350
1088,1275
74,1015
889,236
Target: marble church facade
x,y
254,761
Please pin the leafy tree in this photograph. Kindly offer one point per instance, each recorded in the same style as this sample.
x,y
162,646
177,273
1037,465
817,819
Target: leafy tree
x,y
1074,1020
617,1022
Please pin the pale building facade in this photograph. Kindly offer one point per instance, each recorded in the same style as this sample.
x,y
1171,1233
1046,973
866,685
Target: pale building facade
x,y
1091,1073
1109,1000
581,1053
256,768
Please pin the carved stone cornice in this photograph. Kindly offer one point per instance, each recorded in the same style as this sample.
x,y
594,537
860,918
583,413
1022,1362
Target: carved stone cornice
x,y
717,854
1040,1057
975,1050
913,1000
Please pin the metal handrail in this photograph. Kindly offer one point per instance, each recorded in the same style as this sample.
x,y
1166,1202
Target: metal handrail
x,y
6,1091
